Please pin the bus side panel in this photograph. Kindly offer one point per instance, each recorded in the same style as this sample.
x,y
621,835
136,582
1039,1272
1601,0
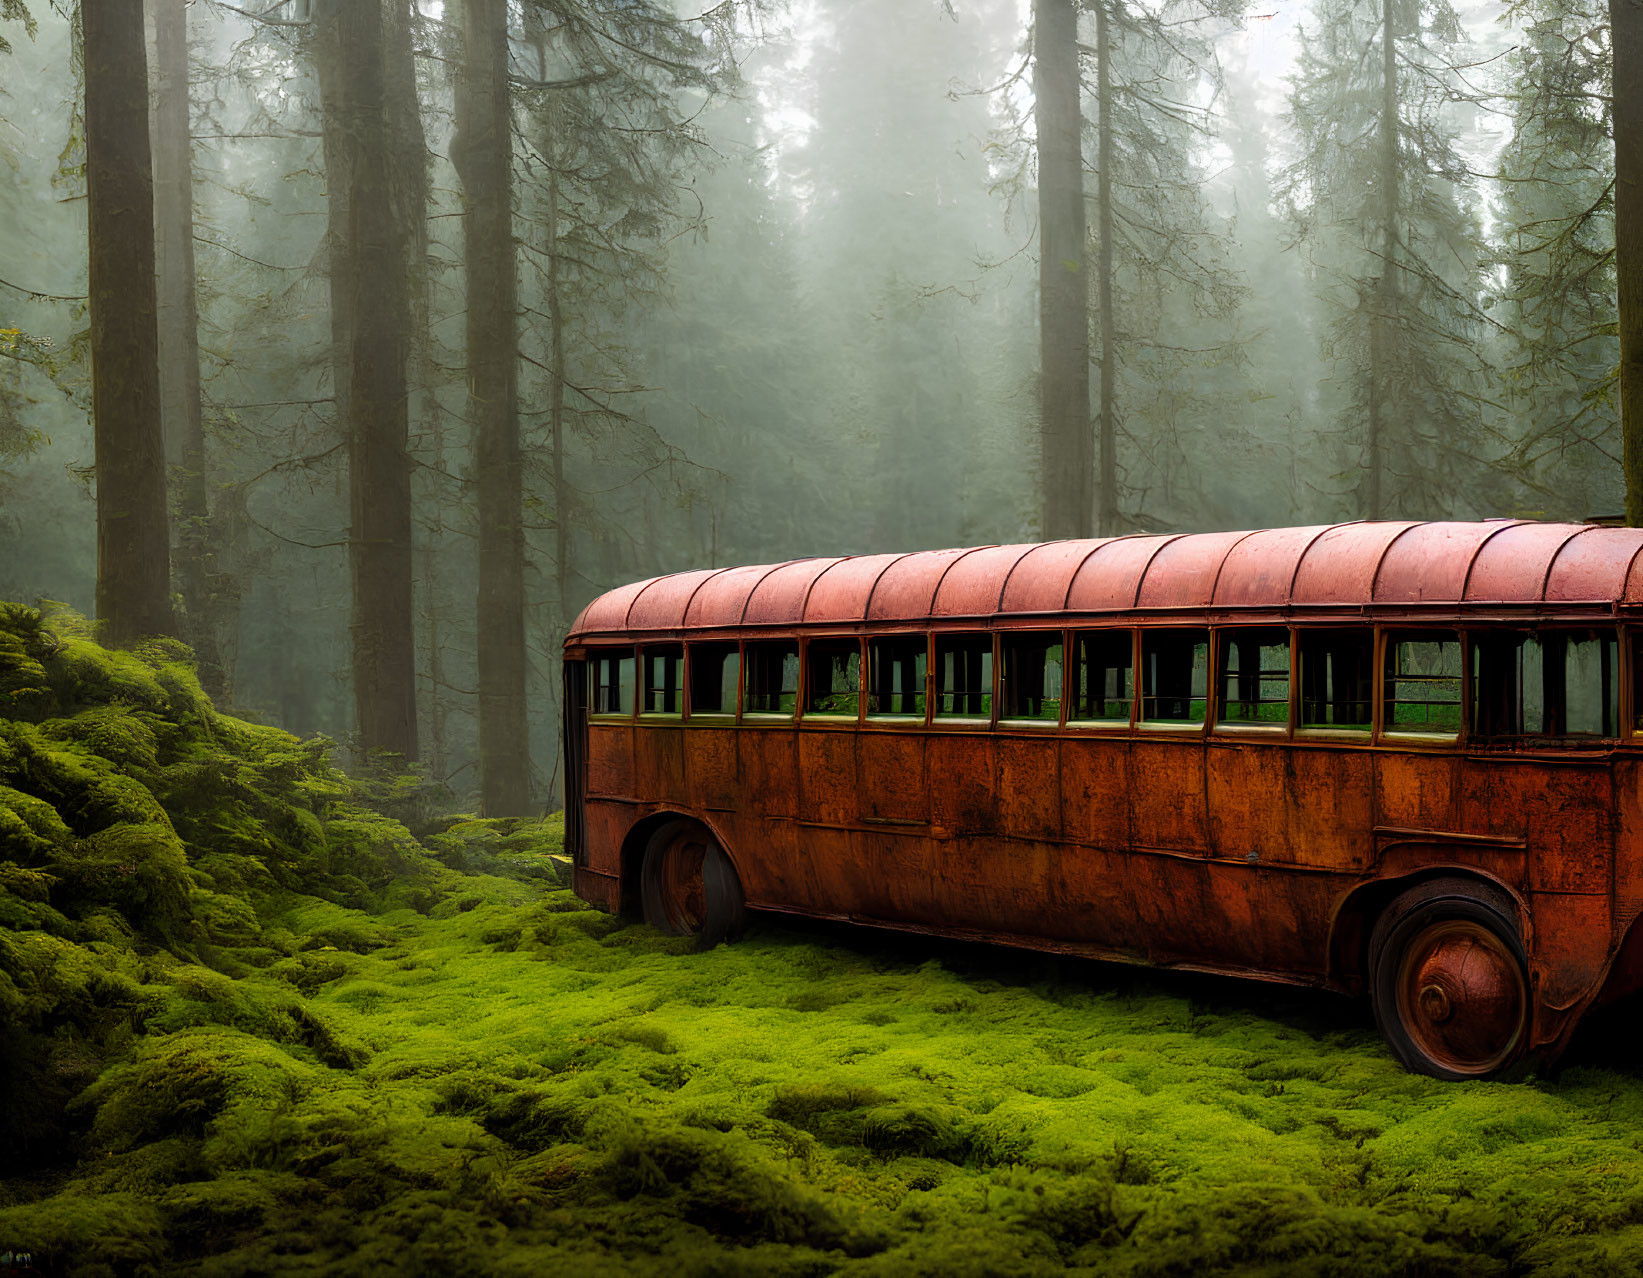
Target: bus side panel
x,y
1263,918
768,760
827,777
1167,795
1248,805
1563,812
610,760
1570,950
1271,803
1331,807
1628,844
1029,788
890,777
660,756
1095,791
710,766
963,783
1416,791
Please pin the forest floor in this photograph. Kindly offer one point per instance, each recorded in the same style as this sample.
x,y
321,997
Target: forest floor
x,y
253,1025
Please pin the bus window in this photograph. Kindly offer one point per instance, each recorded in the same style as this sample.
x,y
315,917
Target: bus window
x,y
714,671
834,679
1253,683
1337,679
1103,677
895,677
610,682
1423,683
1032,676
772,678
664,679
1559,683
1174,676
964,676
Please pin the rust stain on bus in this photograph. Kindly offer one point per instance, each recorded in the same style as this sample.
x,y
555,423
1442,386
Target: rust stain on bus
x,y
1266,849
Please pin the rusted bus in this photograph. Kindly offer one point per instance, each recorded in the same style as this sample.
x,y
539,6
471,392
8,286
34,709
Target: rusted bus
x,y
1393,758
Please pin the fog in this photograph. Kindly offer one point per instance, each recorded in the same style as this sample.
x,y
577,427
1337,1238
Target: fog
x,y
775,283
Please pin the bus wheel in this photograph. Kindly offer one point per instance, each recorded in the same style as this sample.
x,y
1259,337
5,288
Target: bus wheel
x,y
1449,981
688,886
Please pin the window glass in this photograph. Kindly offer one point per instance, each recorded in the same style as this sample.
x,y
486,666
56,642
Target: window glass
x,y
895,677
714,671
1103,676
1423,683
610,682
1032,676
1558,683
834,678
1254,677
1174,675
1337,679
664,680
964,676
772,678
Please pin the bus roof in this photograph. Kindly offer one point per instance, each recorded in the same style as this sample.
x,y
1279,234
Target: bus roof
x,y
1382,565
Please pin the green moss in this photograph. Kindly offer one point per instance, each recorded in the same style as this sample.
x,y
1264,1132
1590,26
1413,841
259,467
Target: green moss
x,y
256,1024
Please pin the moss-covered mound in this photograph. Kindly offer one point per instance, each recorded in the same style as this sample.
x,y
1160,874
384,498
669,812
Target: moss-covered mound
x,y
254,1026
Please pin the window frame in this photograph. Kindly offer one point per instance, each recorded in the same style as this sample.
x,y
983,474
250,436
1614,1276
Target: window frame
x,y
1104,725
719,717
802,706
1169,727
1272,728
964,722
1390,734
1366,734
1001,681
598,653
743,714
887,719
643,689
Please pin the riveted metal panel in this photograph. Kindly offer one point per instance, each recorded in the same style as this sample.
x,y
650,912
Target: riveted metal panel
x,y
1182,574
721,600
1260,570
973,584
661,604
906,588
1430,562
1109,578
1339,567
779,596
840,594
1041,578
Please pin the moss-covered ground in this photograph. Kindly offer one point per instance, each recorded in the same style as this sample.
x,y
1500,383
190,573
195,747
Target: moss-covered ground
x,y
260,1018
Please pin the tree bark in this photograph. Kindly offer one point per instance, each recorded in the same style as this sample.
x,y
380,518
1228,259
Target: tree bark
x,y
1063,318
133,544
179,349
1383,315
1626,27
482,151
1107,494
379,467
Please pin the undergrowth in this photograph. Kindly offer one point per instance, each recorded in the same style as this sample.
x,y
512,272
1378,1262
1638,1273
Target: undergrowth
x,y
256,1023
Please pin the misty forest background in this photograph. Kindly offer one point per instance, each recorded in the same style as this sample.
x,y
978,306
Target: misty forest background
x,y
464,313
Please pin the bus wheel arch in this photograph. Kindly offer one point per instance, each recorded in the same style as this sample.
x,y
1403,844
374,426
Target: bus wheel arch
x,y
679,877
1448,976
1354,921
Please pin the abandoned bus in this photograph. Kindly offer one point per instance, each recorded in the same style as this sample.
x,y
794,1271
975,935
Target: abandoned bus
x,y
1399,759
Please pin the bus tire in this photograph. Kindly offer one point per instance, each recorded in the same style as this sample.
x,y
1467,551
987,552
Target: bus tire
x,y
1449,980
687,885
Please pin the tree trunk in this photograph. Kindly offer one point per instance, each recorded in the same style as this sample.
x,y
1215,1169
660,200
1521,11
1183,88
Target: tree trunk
x,y
1107,497
192,556
1384,315
133,544
1063,319
379,469
1626,26
482,152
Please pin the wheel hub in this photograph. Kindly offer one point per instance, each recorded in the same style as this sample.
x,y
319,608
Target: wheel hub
x,y
1461,996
